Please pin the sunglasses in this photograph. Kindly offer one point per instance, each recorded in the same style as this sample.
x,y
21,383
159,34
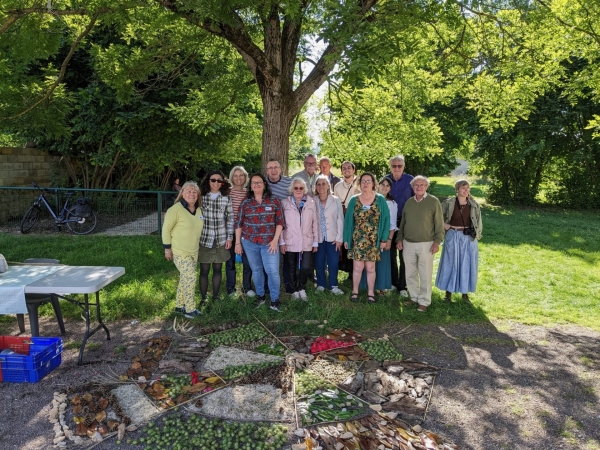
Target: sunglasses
x,y
397,166
298,188
214,180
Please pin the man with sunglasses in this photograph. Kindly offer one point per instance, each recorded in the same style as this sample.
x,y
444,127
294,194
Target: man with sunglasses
x,y
401,191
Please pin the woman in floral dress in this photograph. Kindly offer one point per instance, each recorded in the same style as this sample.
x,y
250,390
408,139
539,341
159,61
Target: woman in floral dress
x,y
366,230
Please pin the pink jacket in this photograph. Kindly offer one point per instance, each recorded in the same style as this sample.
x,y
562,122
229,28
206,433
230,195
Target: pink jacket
x,y
295,237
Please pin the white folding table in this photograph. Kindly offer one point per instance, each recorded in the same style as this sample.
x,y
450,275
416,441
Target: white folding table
x,y
79,280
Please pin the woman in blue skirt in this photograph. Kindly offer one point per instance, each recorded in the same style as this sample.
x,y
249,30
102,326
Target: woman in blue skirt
x,y
459,262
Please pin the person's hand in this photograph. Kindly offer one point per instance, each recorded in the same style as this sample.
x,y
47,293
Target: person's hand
x,y
282,249
238,249
399,245
169,254
446,226
346,245
382,246
434,248
338,246
388,245
273,246
227,244
315,249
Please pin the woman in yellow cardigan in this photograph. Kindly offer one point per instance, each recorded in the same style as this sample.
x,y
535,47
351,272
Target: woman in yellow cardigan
x,y
181,239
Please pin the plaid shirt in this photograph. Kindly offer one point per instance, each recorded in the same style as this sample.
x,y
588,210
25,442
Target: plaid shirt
x,y
259,220
218,221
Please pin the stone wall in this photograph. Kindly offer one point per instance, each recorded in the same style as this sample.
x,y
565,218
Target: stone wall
x,y
21,167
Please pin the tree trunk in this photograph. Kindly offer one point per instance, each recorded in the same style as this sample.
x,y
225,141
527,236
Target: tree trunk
x,y
276,131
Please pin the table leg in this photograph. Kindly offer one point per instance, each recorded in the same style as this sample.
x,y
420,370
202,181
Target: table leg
x,y
88,333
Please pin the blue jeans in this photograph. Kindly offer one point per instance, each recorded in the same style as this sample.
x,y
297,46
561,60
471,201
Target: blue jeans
x,y
259,259
327,256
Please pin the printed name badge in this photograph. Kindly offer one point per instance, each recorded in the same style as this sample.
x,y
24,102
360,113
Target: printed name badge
x,y
200,217
268,208
366,207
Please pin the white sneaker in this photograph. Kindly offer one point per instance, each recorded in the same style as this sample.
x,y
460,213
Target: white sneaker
x,y
393,288
336,291
403,293
303,295
251,293
320,289
296,295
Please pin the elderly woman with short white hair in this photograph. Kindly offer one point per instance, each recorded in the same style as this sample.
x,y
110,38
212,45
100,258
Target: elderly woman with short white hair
x,y
459,263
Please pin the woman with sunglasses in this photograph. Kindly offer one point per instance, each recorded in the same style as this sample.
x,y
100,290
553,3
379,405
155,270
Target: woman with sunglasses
x,y
217,234
366,233
257,231
383,267
300,237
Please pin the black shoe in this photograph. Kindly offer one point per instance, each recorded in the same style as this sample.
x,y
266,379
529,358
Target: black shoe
x,y
275,306
192,314
260,300
448,296
180,310
465,298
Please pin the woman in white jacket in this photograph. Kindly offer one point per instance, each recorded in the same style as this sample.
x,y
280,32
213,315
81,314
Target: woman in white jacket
x,y
331,235
299,238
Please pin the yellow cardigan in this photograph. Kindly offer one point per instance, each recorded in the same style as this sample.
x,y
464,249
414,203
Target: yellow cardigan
x,y
182,230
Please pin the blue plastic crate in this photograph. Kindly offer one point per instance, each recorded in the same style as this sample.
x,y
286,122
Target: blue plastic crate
x,y
41,351
31,376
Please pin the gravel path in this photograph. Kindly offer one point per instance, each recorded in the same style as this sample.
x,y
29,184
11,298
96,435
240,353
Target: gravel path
x,y
504,386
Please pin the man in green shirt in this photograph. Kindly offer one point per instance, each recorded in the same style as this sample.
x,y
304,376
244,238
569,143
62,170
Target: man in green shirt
x,y
419,236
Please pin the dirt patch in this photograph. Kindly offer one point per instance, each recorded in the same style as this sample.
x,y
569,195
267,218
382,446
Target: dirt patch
x,y
503,386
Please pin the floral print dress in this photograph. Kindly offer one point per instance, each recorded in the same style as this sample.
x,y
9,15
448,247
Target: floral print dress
x,y
364,236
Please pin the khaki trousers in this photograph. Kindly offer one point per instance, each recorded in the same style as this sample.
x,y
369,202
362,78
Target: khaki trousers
x,y
418,260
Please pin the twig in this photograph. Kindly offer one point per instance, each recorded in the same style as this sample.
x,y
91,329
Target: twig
x,y
399,332
263,325
429,399
294,397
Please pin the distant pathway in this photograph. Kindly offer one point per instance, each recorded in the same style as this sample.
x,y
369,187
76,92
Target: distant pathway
x,y
143,225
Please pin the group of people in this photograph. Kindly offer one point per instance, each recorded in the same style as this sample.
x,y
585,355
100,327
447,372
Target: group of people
x,y
312,225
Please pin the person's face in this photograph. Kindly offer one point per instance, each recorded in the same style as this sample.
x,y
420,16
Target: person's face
x,y
420,187
239,178
273,170
215,181
176,180
190,195
310,165
397,168
257,185
298,191
464,190
366,183
347,171
325,167
321,187
384,188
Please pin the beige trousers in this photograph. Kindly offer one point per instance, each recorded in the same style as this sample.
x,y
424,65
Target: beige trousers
x,y
418,261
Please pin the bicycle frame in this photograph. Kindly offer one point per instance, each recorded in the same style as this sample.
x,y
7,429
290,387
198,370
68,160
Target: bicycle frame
x,y
60,218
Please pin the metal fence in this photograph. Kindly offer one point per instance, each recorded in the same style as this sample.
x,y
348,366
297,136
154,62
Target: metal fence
x,y
119,211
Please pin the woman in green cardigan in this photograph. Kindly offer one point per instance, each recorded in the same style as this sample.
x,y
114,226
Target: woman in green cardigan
x,y
366,231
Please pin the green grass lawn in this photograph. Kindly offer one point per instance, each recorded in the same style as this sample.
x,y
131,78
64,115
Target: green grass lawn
x,y
537,266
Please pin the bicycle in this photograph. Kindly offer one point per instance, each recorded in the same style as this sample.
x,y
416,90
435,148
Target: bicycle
x,y
70,217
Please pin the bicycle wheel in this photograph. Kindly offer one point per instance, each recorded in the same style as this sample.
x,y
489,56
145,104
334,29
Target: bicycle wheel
x,y
84,225
30,219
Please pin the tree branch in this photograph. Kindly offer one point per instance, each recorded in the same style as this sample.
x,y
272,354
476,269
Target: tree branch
x,y
591,34
63,69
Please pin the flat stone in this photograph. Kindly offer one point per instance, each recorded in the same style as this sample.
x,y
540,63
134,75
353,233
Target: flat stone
x,y
134,403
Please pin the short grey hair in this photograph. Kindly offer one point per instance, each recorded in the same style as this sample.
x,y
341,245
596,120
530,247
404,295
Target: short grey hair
x,y
326,178
397,158
310,155
295,181
420,178
234,170
324,158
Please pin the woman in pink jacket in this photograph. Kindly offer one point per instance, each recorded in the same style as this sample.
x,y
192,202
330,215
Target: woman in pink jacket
x,y
300,237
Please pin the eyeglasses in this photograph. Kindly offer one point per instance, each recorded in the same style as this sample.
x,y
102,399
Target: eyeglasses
x,y
256,183
310,164
298,188
215,180
397,166
366,181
